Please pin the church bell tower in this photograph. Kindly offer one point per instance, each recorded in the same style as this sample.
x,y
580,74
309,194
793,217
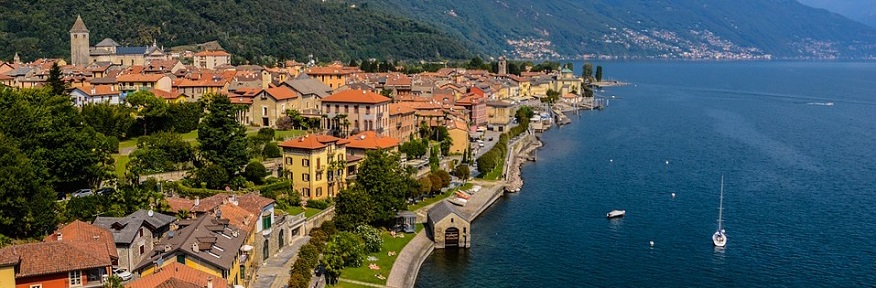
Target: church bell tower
x,y
79,44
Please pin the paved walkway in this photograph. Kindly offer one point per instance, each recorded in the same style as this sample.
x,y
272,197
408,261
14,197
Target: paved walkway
x,y
407,265
275,271
360,283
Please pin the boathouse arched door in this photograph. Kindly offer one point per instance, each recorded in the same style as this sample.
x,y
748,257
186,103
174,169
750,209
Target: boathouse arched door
x,y
451,237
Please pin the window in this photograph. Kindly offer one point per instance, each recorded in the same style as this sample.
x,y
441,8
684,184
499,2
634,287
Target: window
x,y
266,222
337,108
306,192
289,161
305,177
181,259
347,109
36,286
318,176
75,278
264,110
367,110
356,109
305,162
319,192
141,235
318,164
265,251
142,249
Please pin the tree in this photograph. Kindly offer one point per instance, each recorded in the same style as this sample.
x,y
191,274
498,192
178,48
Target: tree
x,y
57,86
222,139
462,172
151,111
552,96
445,177
413,149
386,183
109,119
599,73
476,63
424,187
353,208
160,152
113,282
272,150
588,71
353,63
27,208
213,176
255,172
183,117
436,183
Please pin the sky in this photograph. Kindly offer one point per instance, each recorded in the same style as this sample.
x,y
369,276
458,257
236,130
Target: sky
x,y
863,11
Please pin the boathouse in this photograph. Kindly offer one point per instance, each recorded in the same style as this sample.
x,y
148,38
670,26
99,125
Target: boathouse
x,y
448,227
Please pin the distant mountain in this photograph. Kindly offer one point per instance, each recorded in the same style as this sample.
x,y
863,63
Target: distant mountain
x,y
646,28
863,11
250,29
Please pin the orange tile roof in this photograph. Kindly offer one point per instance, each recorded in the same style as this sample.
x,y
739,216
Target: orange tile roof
x,y
173,272
369,140
204,205
139,77
45,258
212,53
238,217
282,93
397,109
328,71
254,203
356,96
311,142
99,240
457,124
170,95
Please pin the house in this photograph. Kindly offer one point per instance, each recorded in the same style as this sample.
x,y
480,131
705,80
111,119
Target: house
x,y
459,134
196,88
317,165
134,235
271,104
448,226
78,254
310,91
402,122
365,141
364,110
333,76
211,59
176,275
499,114
95,94
135,81
208,244
476,106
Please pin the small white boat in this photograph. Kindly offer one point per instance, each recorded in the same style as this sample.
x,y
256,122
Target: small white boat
x,y
457,201
616,213
719,238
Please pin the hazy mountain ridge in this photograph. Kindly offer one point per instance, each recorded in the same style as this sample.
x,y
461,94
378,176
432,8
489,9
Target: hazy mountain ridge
x,y
646,28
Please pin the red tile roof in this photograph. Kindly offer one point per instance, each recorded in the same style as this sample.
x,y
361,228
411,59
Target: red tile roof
x,y
98,239
176,275
44,258
212,53
398,109
328,71
238,216
282,93
356,96
97,90
369,140
311,142
254,203
139,77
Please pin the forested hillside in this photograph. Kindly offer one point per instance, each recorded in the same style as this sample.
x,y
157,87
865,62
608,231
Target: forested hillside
x,y
285,29
657,28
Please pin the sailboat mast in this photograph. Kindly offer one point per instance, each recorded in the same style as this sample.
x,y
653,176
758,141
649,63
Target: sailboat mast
x,y
721,205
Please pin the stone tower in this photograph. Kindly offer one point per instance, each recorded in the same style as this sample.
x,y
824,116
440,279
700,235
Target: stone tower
x,y
503,66
79,44
16,59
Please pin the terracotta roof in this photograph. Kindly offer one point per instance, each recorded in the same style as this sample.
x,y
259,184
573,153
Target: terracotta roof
x,y
204,205
311,142
254,203
397,109
356,96
98,90
176,275
169,95
458,124
212,53
369,140
569,95
44,258
206,82
328,71
238,217
282,93
139,77
99,240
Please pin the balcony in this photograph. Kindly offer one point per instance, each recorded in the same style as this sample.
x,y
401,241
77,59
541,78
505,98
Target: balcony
x,y
369,117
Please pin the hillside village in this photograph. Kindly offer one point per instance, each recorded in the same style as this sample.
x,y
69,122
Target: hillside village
x,y
340,115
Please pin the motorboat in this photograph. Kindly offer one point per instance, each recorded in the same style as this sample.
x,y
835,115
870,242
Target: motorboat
x,y
616,213
458,201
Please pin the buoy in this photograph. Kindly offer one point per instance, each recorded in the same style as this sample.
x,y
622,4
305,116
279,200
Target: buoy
x,y
667,162
673,194
610,160
652,243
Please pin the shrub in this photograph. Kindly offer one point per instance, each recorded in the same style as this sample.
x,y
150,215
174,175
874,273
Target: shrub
x,y
371,237
318,204
271,150
255,171
445,177
436,183
462,171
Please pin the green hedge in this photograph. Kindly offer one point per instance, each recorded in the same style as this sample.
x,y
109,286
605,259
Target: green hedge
x,y
190,192
496,156
273,186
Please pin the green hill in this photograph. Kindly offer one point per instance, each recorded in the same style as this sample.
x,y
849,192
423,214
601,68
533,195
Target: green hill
x,y
782,28
285,29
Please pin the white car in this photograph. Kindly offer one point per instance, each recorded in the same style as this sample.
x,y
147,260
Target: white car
x,y
122,273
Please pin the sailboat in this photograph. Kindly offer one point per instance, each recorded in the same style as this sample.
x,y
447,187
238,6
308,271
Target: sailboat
x,y
719,238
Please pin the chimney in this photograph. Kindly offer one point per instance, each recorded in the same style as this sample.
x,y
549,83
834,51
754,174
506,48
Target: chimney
x,y
197,201
59,236
93,90
167,248
195,247
210,282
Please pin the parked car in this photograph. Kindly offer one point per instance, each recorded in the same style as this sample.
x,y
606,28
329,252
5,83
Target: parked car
x,y
106,191
122,273
83,193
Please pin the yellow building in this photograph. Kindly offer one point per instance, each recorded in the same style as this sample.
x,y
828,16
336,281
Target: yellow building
x,y
458,131
334,76
207,244
499,114
7,275
134,82
316,164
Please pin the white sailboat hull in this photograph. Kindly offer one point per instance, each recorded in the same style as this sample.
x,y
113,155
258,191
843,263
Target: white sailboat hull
x,y
719,239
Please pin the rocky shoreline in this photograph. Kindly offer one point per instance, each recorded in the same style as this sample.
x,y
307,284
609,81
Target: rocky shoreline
x,y
526,153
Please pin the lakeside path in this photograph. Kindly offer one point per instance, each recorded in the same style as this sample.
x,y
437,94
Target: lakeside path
x,y
275,271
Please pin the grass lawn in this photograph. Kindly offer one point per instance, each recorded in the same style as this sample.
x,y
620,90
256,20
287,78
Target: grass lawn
x,y
288,133
437,198
349,285
496,173
385,262
121,161
308,212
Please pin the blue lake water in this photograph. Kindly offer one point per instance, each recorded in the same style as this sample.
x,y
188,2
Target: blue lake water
x,y
800,185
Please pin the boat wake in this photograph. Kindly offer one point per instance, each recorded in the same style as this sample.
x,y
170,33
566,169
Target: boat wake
x,y
820,103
